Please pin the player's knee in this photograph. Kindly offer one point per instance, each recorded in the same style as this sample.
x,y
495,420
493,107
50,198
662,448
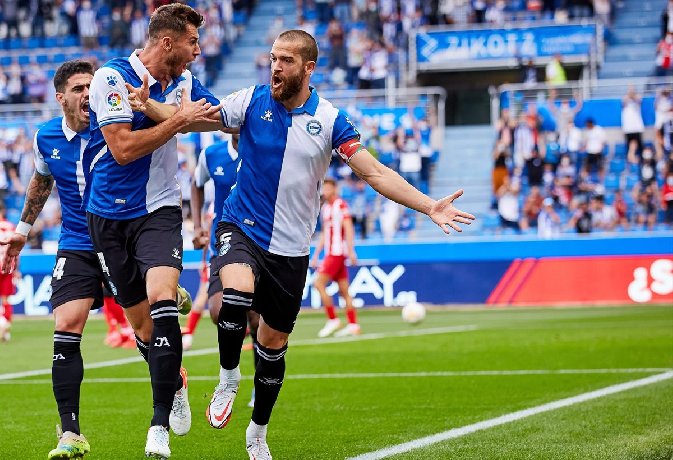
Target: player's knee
x,y
214,305
70,324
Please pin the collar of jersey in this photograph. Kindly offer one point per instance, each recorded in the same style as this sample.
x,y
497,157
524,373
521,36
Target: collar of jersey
x,y
310,106
140,70
70,134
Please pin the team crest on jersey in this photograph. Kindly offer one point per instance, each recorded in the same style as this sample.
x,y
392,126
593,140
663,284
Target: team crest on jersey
x,y
225,244
313,127
114,102
219,171
112,80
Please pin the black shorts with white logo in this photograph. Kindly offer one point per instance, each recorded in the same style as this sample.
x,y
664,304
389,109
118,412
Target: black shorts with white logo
x,y
77,275
214,281
279,280
127,249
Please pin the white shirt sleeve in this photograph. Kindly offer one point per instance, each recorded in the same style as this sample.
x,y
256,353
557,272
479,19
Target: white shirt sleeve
x,y
109,98
201,174
234,107
40,165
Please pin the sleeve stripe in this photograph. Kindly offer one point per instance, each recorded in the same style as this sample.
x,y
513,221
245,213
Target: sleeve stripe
x,y
114,120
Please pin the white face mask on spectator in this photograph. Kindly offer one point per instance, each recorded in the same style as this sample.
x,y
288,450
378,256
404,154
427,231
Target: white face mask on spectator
x,y
647,155
669,180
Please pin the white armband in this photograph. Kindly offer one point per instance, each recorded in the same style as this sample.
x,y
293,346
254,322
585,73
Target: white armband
x,y
23,228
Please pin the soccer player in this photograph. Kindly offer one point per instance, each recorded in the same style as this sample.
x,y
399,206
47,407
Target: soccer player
x,y
6,281
220,162
337,239
287,135
133,200
77,279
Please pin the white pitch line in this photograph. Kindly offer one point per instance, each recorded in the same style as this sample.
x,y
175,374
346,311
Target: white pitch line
x,y
511,417
377,375
293,343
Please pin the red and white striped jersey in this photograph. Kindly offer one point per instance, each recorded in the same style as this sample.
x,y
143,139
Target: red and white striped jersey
x,y
332,216
6,229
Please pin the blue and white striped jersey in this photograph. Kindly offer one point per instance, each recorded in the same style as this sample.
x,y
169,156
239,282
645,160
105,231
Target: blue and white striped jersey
x,y
58,152
284,158
218,162
149,183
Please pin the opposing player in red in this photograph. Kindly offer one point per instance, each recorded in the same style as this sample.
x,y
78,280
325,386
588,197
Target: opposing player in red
x,y
337,239
6,282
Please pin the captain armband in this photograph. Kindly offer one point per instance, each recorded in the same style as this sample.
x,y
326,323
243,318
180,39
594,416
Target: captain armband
x,y
348,149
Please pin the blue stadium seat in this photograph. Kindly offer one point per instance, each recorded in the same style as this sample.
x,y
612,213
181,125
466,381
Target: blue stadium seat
x,y
5,61
617,165
620,151
631,181
24,59
42,59
612,182
240,17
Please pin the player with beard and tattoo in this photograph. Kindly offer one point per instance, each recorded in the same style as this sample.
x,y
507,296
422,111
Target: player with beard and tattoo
x,y
133,200
287,134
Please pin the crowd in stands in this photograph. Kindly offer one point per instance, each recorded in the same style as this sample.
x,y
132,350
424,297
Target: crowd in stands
x,y
573,179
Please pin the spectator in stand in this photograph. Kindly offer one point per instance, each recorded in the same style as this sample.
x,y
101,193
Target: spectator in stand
x,y
645,209
360,208
582,219
531,208
528,73
563,113
648,167
10,13
570,140
664,55
621,210
276,27
36,84
323,11
211,45
548,221
603,217
667,198
138,29
554,72
632,124
667,19
372,74
69,16
663,104
119,30
15,84
524,142
495,13
342,11
603,12
263,68
87,25
336,37
586,184
389,219
535,168
306,26
595,141
410,157
508,204
4,82
356,45
479,7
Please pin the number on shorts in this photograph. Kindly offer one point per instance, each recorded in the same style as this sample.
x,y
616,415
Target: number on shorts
x,y
58,269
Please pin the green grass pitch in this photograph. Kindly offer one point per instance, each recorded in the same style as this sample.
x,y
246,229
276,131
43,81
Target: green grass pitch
x,y
394,384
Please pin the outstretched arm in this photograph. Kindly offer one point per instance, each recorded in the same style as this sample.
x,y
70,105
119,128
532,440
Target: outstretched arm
x,y
391,185
38,192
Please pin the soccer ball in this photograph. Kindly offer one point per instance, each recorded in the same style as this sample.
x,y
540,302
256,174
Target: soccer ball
x,y
413,313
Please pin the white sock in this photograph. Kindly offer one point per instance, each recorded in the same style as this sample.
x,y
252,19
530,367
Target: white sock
x,y
230,375
255,431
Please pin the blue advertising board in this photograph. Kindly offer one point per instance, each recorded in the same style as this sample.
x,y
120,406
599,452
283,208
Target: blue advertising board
x,y
442,49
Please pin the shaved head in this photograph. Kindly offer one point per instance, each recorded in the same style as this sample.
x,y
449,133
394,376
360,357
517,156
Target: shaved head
x,y
308,46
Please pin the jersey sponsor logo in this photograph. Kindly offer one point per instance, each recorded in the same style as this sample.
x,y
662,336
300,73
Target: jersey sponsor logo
x,y
219,171
54,154
225,244
313,127
268,116
114,102
178,96
161,342
120,201
249,222
111,80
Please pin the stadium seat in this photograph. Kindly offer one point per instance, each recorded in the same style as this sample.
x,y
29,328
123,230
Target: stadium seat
x,y
617,165
631,181
620,151
612,182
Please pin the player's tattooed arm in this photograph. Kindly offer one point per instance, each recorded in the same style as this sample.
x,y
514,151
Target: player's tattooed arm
x,y
37,194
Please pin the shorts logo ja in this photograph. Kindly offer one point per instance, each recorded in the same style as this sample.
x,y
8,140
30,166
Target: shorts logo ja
x,y
225,244
162,342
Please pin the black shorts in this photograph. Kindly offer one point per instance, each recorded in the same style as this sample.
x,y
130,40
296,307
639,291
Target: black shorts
x,y
279,280
128,248
214,281
77,275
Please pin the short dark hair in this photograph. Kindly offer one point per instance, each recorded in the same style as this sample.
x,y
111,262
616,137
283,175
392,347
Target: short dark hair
x,y
309,47
330,180
67,70
173,17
